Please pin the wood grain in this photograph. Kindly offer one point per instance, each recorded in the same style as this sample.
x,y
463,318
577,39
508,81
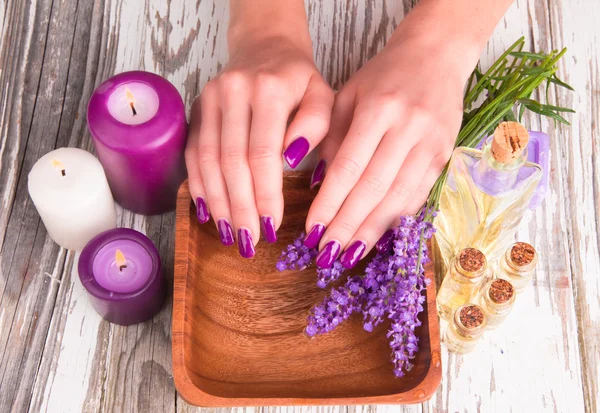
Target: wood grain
x,y
238,326
57,355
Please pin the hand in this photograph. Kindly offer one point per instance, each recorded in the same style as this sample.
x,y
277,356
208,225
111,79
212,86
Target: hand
x,y
239,128
392,132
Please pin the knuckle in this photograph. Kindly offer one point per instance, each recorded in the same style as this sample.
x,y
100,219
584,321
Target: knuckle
x,y
240,208
347,227
232,161
373,186
401,191
208,153
258,154
232,82
346,168
208,94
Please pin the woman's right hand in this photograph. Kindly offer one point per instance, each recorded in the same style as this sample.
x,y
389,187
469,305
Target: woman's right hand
x,y
239,130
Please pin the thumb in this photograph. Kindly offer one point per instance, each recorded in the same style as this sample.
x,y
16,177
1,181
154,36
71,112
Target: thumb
x,y
310,123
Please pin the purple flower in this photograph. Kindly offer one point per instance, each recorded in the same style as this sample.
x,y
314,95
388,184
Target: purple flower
x,y
392,287
296,256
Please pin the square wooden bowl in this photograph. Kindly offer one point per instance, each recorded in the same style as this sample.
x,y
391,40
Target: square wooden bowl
x,y
238,327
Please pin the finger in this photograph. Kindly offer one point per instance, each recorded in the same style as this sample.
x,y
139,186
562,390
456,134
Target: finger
x,y
363,137
311,122
422,193
269,121
340,123
235,136
195,183
209,155
394,204
371,188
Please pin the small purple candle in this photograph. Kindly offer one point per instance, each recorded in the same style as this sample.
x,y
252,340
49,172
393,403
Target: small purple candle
x,y
137,121
120,269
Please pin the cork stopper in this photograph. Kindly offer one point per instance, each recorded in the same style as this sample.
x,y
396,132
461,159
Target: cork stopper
x,y
471,316
501,291
522,254
510,139
472,261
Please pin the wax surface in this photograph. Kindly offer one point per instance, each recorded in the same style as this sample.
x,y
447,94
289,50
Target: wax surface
x,y
70,192
145,104
126,280
143,155
134,295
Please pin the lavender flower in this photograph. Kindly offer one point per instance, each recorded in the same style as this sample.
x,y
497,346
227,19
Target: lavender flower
x,y
335,308
296,256
328,275
392,287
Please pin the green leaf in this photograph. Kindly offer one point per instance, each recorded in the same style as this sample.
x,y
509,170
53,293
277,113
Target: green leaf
x,y
559,82
529,55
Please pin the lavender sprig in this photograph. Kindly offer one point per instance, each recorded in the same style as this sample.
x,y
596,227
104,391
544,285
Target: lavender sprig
x,y
297,256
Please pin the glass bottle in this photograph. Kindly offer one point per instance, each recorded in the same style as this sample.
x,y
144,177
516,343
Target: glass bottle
x,y
497,300
462,281
518,265
465,329
486,194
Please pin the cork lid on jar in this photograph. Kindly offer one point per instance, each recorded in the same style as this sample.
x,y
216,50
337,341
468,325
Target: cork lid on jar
x,y
509,141
471,262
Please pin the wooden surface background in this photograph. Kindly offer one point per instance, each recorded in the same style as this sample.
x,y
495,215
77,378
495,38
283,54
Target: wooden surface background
x,y
57,355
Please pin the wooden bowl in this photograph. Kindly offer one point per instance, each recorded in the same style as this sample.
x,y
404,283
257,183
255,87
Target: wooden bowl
x,y
238,327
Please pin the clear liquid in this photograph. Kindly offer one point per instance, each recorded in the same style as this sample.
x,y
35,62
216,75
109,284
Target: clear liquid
x,y
481,206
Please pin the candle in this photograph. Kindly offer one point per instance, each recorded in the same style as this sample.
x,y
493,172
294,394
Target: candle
x,y
120,269
137,121
69,190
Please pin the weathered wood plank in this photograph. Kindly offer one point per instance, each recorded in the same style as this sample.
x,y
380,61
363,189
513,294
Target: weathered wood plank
x,y
579,150
53,54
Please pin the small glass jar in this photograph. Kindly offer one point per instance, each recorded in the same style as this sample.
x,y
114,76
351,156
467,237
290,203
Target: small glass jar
x,y
497,300
518,265
465,328
462,281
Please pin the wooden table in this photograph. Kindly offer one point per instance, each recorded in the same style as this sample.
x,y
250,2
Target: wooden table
x,y
57,355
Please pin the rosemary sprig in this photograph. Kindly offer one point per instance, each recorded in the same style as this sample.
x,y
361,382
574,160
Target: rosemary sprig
x,y
508,85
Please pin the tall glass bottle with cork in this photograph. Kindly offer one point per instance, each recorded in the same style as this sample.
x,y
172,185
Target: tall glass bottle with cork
x,y
487,194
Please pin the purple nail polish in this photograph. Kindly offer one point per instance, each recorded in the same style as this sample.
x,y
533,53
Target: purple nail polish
x,y
267,226
328,255
385,242
202,211
353,254
226,232
245,243
314,235
318,174
296,151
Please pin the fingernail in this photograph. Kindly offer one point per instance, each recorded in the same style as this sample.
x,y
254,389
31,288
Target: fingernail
x,y
353,254
385,242
314,235
267,226
245,243
202,211
318,174
296,151
328,255
226,232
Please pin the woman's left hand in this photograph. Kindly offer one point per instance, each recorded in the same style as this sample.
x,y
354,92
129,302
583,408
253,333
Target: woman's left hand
x,y
392,132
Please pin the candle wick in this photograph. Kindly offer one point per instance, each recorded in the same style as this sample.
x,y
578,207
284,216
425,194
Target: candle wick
x,y
63,172
122,267
133,108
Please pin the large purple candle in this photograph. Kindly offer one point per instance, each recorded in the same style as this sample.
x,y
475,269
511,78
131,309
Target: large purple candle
x,y
137,121
120,269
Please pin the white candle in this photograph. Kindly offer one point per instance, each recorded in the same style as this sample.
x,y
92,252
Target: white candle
x,y
71,194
